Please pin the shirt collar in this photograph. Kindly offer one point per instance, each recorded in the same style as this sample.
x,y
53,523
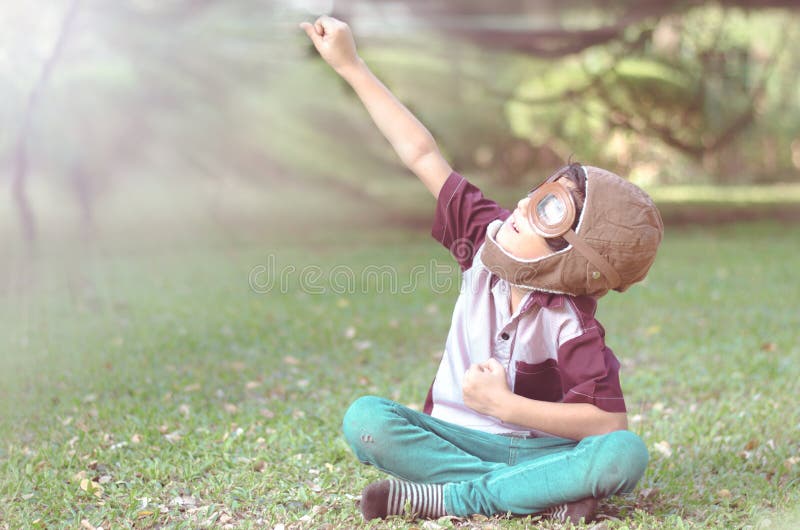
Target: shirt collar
x,y
548,300
540,298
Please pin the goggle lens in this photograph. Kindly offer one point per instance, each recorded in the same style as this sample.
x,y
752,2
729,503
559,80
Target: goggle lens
x,y
551,210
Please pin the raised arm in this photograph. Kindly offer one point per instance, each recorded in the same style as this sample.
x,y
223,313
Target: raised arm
x,y
413,143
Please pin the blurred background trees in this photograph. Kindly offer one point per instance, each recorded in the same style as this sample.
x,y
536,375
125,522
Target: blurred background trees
x,y
137,106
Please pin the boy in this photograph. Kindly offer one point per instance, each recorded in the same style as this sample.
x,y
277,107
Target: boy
x,y
525,414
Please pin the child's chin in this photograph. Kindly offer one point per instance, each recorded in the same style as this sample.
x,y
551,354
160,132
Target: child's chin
x,y
505,238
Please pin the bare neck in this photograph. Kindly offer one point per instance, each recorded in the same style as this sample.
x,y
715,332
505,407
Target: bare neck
x,y
517,295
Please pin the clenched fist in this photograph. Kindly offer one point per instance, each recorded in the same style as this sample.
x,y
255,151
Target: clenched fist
x,y
485,386
333,40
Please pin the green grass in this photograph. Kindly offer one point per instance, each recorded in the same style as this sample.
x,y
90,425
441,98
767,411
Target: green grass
x,y
154,388
741,194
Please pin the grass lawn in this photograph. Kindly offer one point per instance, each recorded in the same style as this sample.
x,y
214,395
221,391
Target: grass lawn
x,y
156,388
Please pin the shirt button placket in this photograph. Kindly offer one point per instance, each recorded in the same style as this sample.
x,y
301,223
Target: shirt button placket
x,y
503,347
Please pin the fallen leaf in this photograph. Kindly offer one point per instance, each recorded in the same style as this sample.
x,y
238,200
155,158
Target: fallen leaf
x,y
664,448
652,330
724,494
183,502
293,361
173,437
361,345
250,385
648,493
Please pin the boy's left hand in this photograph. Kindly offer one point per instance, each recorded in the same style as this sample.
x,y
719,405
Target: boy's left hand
x,y
484,387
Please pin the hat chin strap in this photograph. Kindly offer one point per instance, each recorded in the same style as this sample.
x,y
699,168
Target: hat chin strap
x,y
593,257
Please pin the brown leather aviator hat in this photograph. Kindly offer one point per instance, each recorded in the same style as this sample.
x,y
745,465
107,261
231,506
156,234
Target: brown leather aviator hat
x,y
612,247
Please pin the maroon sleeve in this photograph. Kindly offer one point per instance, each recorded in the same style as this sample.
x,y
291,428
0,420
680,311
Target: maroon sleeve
x,y
462,215
590,372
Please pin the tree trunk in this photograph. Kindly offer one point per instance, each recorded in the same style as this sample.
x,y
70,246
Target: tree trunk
x,y
19,190
19,182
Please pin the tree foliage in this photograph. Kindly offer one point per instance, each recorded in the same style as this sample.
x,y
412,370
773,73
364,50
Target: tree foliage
x,y
641,84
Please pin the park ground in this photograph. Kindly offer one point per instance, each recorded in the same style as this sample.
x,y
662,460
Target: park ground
x,y
185,385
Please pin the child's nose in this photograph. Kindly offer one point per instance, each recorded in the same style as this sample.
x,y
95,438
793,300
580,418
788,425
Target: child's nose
x,y
523,203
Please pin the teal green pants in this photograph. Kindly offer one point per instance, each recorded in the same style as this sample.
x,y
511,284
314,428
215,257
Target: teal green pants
x,y
488,473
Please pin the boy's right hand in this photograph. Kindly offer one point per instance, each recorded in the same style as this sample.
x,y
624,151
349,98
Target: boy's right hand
x,y
333,40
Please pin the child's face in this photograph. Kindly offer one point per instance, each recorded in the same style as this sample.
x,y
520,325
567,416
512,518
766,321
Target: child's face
x,y
518,237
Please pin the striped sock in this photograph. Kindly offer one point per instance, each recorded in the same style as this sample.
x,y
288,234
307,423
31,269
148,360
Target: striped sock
x,y
389,497
575,512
